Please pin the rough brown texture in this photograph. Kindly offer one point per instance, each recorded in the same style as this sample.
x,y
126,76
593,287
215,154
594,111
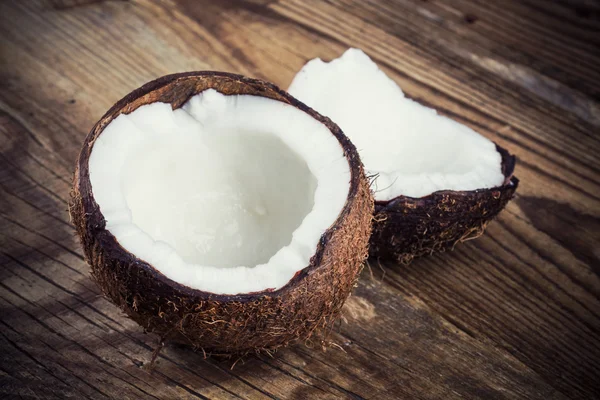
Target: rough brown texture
x,y
408,227
266,320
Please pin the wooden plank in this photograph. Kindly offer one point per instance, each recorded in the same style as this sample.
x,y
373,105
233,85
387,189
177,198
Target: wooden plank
x,y
514,314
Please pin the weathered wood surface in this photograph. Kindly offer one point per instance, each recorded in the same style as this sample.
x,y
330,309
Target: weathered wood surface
x,y
514,314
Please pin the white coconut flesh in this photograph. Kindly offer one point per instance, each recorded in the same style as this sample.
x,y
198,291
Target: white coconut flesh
x,y
228,194
411,149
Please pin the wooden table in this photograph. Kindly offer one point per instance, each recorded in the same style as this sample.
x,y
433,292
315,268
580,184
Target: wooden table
x,y
514,314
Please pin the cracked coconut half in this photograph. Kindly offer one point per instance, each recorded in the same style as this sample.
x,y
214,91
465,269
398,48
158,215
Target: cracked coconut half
x,y
220,212
437,182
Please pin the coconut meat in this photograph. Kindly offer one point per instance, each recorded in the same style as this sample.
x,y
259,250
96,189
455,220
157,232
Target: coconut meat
x,y
227,194
411,149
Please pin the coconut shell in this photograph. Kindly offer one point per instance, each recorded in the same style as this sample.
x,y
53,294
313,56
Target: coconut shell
x,y
407,227
218,323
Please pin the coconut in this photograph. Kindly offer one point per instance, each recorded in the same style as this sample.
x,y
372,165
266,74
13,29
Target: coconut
x,y
436,182
220,212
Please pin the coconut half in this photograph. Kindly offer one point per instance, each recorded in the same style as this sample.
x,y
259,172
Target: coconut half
x,y
437,182
220,212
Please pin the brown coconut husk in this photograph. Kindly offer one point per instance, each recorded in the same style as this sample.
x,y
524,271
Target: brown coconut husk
x,y
407,227
217,323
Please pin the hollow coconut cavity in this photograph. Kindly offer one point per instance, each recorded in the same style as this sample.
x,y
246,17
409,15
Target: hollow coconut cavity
x,y
220,212
436,182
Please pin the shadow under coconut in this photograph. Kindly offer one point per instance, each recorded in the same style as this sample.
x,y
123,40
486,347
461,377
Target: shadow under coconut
x,y
261,372
92,339
434,267
298,371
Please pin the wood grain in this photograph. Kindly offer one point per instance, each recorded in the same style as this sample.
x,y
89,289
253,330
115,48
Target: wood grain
x,y
514,314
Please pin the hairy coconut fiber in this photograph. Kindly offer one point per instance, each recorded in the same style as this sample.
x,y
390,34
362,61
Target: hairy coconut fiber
x,y
408,227
215,323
